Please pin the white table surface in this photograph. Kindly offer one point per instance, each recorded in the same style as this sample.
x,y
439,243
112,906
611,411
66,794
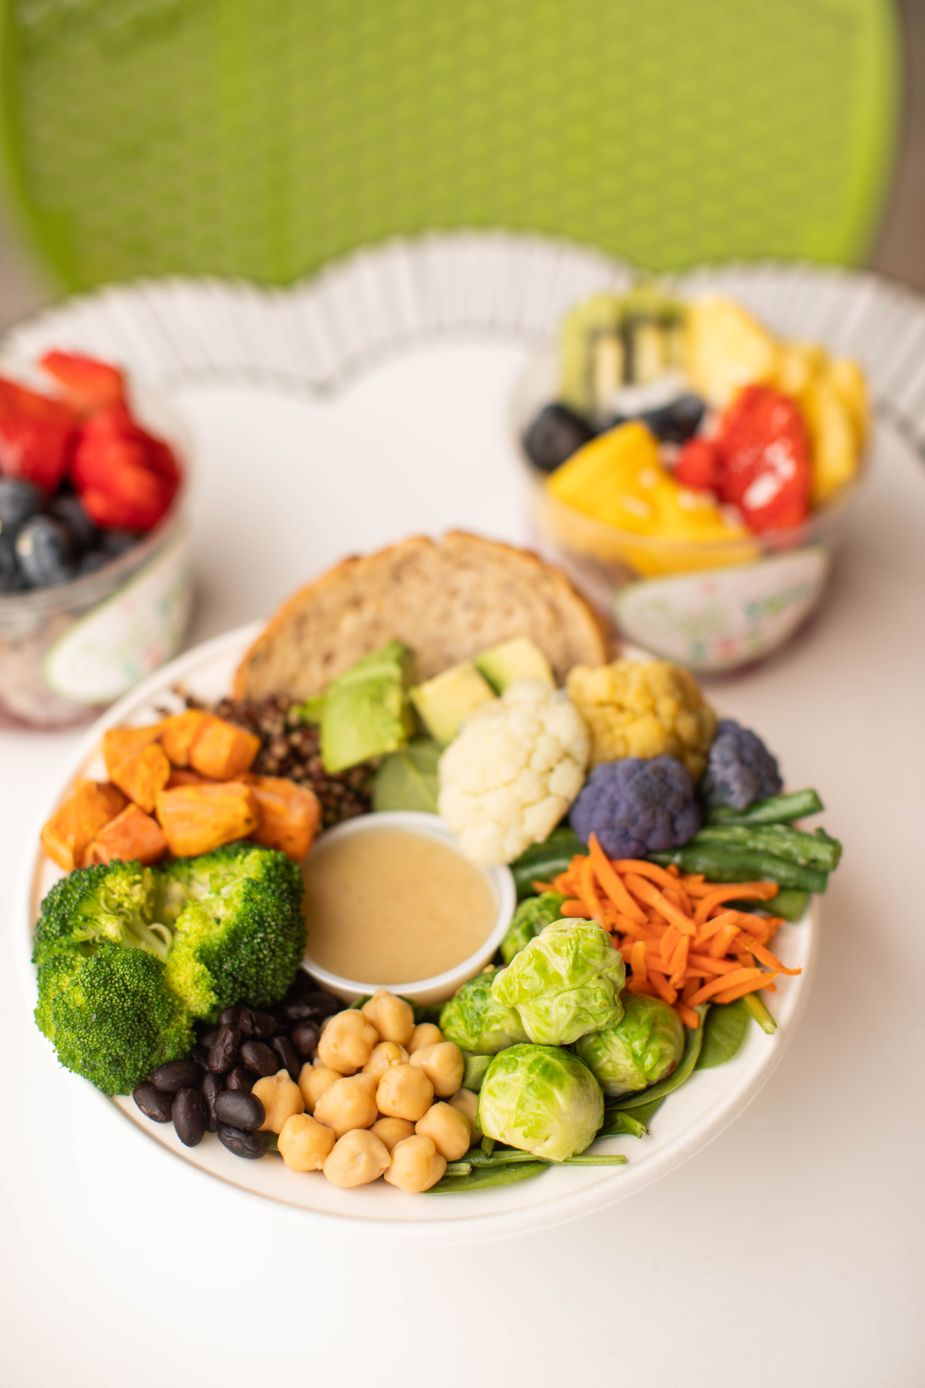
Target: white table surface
x,y
790,1252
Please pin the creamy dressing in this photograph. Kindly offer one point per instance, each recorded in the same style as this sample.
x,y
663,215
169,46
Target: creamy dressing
x,y
391,906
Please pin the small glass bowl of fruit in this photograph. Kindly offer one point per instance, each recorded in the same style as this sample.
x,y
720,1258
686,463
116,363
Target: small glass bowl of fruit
x,y
94,565
689,469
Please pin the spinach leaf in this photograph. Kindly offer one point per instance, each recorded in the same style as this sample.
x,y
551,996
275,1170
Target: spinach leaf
x,y
619,1124
723,1033
674,1081
407,779
483,1177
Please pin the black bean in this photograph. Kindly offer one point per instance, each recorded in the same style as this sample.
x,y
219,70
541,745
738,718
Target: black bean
x,y
189,1116
200,1054
323,1003
176,1074
212,1086
259,1057
229,1017
153,1102
265,1025
207,1036
240,1110
299,986
304,1037
239,1078
223,1053
242,1144
288,1055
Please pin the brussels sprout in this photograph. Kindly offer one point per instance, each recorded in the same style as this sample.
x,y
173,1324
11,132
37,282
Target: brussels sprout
x,y
476,1021
564,983
530,918
640,1050
542,1100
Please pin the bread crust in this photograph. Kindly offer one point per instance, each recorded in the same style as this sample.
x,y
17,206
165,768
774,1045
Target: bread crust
x,y
446,599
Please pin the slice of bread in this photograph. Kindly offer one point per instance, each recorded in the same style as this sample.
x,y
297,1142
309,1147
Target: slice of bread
x,y
446,599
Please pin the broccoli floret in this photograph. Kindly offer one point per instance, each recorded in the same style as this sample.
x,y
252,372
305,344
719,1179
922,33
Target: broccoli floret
x,y
239,934
113,901
109,1014
740,769
529,919
637,806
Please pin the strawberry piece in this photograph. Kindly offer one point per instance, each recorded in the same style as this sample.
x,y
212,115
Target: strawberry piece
x,y
126,477
36,437
133,499
699,465
88,384
765,452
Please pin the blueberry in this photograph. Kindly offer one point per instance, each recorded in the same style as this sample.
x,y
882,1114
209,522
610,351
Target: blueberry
x,y
555,434
677,421
68,508
44,549
118,541
11,579
18,501
93,560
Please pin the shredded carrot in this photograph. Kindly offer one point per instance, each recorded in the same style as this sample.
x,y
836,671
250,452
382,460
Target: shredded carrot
x,y
681,939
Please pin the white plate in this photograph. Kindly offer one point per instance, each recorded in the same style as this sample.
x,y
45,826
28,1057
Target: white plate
x,y
692,1117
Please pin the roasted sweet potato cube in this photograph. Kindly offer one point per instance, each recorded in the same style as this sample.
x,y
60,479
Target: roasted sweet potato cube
x,y
179,732
68,834
143,774
196,819
182,776
289,815
132,834
222,750
120,743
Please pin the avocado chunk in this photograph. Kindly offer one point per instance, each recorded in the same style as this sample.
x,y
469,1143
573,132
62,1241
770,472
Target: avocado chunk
x,y
518,659
364,712
445,702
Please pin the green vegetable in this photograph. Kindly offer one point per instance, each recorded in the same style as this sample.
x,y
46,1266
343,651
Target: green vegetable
x,y
724,1031
789,903
477,1022
363,713
543,861
564,983
532,915
641,1102
128,955
723,863
517,659
540,1099
778,809
445,702
644,1046
808,850
762,1016
474,1073
620,1124
485,1177
407,780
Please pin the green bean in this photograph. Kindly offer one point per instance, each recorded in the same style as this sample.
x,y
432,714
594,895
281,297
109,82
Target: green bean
x,y
789,903
796,846
777,809
722,863
545,860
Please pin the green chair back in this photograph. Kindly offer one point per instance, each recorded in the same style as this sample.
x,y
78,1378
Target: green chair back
x,y
264,137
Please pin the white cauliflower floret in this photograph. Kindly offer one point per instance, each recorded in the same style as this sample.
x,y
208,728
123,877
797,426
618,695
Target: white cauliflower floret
x,y
513,770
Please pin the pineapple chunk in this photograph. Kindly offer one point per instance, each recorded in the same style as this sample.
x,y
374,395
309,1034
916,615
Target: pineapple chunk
x,y
833,439
800,363
851,384
726,349
607,479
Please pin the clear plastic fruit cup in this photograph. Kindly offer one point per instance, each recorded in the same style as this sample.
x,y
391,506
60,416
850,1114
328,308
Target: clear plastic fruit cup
x,y
69,650
711,606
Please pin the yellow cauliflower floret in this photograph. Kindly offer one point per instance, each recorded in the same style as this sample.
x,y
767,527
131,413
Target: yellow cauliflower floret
x,y
643,709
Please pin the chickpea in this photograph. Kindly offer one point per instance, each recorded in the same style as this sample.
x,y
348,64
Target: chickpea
x,y
385,1054
416,1164
391,1016
424,1034
467,1104
448,1130
313,1081
404,1092
348,1104
356,1159
392,1130
281,1098
443,1065
347,1041
304,1143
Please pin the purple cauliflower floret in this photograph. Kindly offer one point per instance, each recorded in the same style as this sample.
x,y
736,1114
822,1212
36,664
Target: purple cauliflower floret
x,y
638,806
740,769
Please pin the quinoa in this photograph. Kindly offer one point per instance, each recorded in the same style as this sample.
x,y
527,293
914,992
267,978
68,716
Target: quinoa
x,y
289,747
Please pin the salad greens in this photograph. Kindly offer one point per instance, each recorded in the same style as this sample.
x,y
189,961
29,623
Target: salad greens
x,y
407,779
724,1031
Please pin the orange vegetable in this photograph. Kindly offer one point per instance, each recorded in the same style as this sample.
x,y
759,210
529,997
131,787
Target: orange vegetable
x,y
196,819
681,941
182,776
132,834
289,814
222,750
179,732
68,834
120,743
143,774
